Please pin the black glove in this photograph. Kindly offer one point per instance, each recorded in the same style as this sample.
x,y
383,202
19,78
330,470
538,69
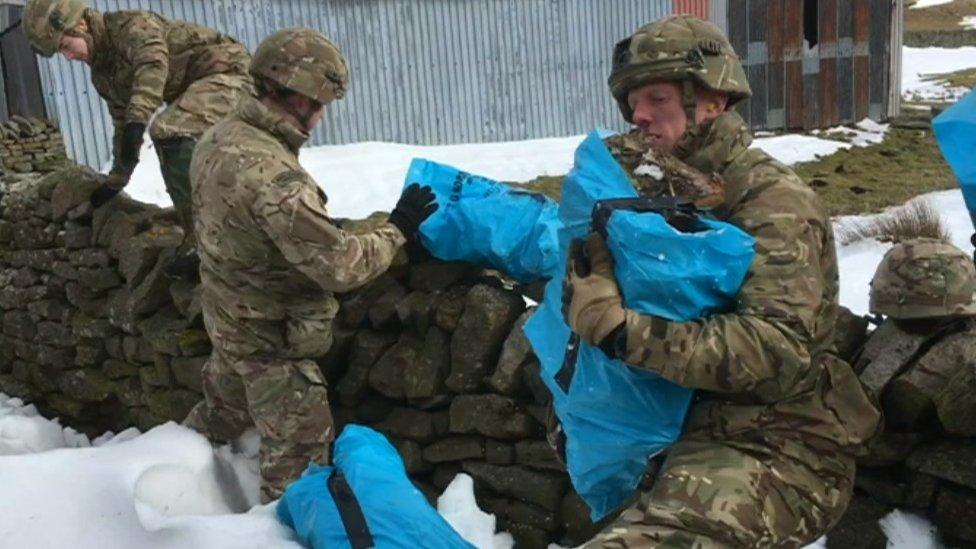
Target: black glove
x,y
103,194
415,205
972,239
129,146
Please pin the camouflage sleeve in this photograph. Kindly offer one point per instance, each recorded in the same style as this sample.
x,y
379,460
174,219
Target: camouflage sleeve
x,y
292,212
145,46
118,122
762,347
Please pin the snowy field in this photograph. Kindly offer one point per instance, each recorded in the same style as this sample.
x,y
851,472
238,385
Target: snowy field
x,y
168,489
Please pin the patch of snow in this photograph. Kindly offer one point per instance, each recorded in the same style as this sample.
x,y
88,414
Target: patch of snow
x,y
909,531
650,170
24,431
793,148
968,22
919,64
459,509
928,4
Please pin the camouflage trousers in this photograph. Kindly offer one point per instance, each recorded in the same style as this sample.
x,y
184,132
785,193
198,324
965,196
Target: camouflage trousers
x,y
285,399
175,130
709,495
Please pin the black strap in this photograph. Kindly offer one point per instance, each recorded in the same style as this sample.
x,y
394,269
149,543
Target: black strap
x,y
10,29
353,520
564,377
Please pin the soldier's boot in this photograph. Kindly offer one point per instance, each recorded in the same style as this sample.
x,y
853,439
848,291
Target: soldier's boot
x,y
175,155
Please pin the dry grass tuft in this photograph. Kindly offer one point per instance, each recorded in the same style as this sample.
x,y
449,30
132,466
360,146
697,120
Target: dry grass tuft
x,y
916,219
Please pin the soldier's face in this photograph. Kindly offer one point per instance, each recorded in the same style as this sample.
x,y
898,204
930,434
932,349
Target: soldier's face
x,y
659,113
74,48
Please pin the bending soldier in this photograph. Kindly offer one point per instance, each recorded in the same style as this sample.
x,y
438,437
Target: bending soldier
x,y
271,258
139,61
766,457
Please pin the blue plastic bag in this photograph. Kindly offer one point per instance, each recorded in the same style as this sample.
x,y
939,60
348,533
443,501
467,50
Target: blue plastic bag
x,y
487,223
397,514
955,130
661,271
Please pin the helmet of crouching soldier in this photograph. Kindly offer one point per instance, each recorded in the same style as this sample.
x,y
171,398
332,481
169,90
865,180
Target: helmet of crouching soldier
x,y
924,278
45,22
304,61
682,49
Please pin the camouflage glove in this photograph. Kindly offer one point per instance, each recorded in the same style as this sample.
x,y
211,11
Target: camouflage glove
x,y
129,147
416,204
592,303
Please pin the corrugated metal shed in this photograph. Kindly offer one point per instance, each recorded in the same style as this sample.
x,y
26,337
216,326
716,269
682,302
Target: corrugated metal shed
x,y
818,63
423,71
453,71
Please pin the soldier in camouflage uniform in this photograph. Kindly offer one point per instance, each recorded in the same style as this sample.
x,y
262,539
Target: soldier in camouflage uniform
x,y
927,290
272,258
766,457
139,62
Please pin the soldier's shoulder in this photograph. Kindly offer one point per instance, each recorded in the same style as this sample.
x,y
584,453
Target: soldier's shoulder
x,y
237,149
128,23
774,186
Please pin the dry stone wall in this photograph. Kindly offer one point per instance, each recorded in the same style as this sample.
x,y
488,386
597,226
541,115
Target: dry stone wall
x,y
431,354
30,145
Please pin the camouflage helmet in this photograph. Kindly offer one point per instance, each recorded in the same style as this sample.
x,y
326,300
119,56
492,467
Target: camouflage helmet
x,y
46,20
924,278
680,48
304,61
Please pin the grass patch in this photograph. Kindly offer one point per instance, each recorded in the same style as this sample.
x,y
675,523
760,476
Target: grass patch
x,y
858,180
944,17
869,179
916,219
965,78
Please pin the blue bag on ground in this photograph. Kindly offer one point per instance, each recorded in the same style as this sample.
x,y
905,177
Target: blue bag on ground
x,y
487,223
955,130
395,513
616,417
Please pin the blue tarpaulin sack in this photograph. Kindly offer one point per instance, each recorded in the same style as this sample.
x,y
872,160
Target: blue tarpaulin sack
x,y
616,417
487,223
955,130
365,500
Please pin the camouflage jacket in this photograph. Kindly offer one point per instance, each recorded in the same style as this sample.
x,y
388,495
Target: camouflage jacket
x,y
140,60
271,255
766,371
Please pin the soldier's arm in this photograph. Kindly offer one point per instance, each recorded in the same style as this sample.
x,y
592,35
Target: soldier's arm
x,y
760,347
292,212
118,122
145,46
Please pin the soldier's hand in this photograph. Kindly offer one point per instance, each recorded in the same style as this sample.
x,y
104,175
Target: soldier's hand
x,y
111,185
130,144
592,303
416,204
102,194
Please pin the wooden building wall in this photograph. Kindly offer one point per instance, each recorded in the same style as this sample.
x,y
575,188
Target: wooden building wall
x,y
846,76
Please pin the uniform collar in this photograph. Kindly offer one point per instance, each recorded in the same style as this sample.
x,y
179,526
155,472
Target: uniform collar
x,y
713,146
254,112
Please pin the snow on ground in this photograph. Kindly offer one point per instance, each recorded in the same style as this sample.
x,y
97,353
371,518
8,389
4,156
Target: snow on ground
x,y
929,3
362,178
166,489
918,64
968,22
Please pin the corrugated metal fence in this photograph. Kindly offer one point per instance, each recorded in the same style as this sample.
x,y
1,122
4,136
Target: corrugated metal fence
x,y
423,71
818,63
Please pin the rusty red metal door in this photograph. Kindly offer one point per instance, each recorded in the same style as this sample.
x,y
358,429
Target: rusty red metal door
x,y
698,8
